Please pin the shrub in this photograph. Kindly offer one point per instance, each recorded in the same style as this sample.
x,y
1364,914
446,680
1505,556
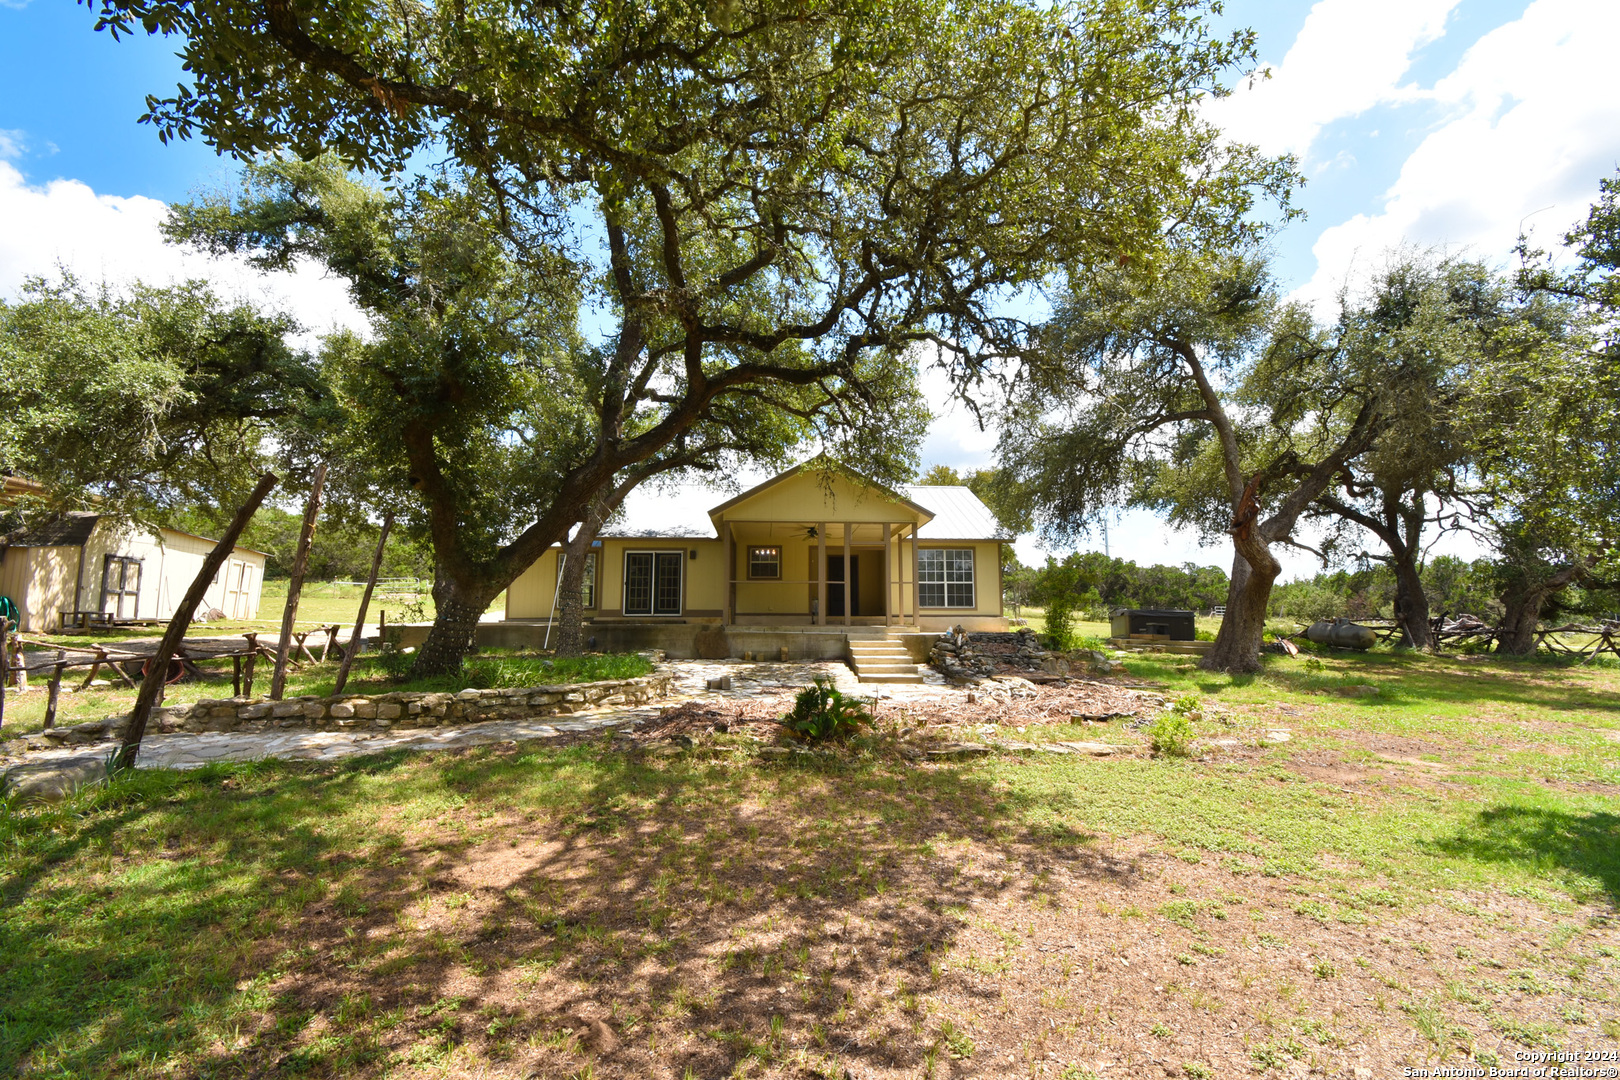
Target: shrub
x,y
822,711
1189,705
1060,621
1171,734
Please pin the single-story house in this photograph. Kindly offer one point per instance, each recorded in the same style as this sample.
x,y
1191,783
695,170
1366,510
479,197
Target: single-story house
x,y
809,549
84,566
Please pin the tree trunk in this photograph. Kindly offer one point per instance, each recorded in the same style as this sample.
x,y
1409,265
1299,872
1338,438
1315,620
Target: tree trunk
x,y
358,636
1237,646
158,674
295,584
570,595
1517,635
1411,602
570,626
458,605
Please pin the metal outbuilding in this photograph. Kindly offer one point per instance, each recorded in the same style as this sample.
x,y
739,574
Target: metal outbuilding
x,y
86,568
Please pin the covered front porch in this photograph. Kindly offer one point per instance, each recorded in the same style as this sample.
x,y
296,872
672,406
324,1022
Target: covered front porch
x,y
818,573
813,548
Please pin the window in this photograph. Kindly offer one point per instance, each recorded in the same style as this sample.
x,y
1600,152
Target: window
x,y
765,562
652,582
945,578
587,585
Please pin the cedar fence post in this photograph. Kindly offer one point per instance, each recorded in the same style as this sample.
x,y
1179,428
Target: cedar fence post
x,y
5,665
295,585
95,669
21,669
252,659
152,685
56,689
365,601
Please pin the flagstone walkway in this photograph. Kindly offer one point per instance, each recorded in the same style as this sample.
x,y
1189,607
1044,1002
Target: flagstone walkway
x,y
748,680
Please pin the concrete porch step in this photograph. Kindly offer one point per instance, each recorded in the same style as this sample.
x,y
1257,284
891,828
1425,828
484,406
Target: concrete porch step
x,y
882,662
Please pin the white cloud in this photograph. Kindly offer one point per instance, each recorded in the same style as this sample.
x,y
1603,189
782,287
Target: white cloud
x,y
1349,56
116,239
1531,124
12,145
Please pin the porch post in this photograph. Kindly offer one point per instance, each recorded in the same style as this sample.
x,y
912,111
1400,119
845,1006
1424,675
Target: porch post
x,y
849,599
821,574
916,587
730,604
888,580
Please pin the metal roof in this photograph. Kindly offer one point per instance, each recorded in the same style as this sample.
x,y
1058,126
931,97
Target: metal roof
x,y
686,511
958,514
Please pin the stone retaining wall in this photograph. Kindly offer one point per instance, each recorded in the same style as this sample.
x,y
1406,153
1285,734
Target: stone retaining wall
x,y
349,711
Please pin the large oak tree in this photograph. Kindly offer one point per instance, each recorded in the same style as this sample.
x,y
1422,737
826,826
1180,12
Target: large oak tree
x,y
756,193
145,401
1190,389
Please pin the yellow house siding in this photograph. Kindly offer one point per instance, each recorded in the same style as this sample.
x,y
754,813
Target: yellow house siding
x,y
42,580
702,579
802,497
529,597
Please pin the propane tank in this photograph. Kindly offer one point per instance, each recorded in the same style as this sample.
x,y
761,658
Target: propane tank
x,y
1342,633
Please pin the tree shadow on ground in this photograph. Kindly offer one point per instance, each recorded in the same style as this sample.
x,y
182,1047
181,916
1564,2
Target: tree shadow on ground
x,y
1552,842
398,909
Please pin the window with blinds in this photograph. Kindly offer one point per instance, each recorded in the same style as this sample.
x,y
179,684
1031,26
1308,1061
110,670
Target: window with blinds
x,y
945,578
652,582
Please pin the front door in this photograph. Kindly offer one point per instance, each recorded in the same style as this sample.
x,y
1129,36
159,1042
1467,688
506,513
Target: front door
x,y
652,582
836,585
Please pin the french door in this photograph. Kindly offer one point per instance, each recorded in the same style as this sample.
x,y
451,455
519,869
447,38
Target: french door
x,y
652,582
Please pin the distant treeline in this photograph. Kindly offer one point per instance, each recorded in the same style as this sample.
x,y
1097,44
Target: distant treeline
x,y
1453,586
342,550
1091,584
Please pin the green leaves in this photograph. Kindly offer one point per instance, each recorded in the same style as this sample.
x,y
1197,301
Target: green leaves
x,y
145,401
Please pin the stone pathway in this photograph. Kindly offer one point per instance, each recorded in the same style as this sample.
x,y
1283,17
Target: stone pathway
x,y
52,774
748,680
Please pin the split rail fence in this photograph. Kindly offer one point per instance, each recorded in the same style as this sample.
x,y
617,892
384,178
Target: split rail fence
x,y
15,669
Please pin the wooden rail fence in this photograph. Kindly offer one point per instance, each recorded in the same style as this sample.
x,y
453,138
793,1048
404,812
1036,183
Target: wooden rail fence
x,y
14,668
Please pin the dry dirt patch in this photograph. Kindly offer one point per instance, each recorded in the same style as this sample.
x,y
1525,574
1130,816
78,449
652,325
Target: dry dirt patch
x,y
791,938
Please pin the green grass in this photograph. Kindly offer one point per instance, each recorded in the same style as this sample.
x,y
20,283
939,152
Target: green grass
x,y
135,917
483,672
162,924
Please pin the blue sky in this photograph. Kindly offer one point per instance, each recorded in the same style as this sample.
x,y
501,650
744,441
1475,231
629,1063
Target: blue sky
x,y
1443,123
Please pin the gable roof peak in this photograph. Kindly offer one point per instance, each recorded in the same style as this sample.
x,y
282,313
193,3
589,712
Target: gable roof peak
x,y
821,462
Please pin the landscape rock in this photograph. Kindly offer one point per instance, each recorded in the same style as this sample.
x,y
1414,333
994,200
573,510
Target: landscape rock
x,y
53,781
947,751
1096,749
